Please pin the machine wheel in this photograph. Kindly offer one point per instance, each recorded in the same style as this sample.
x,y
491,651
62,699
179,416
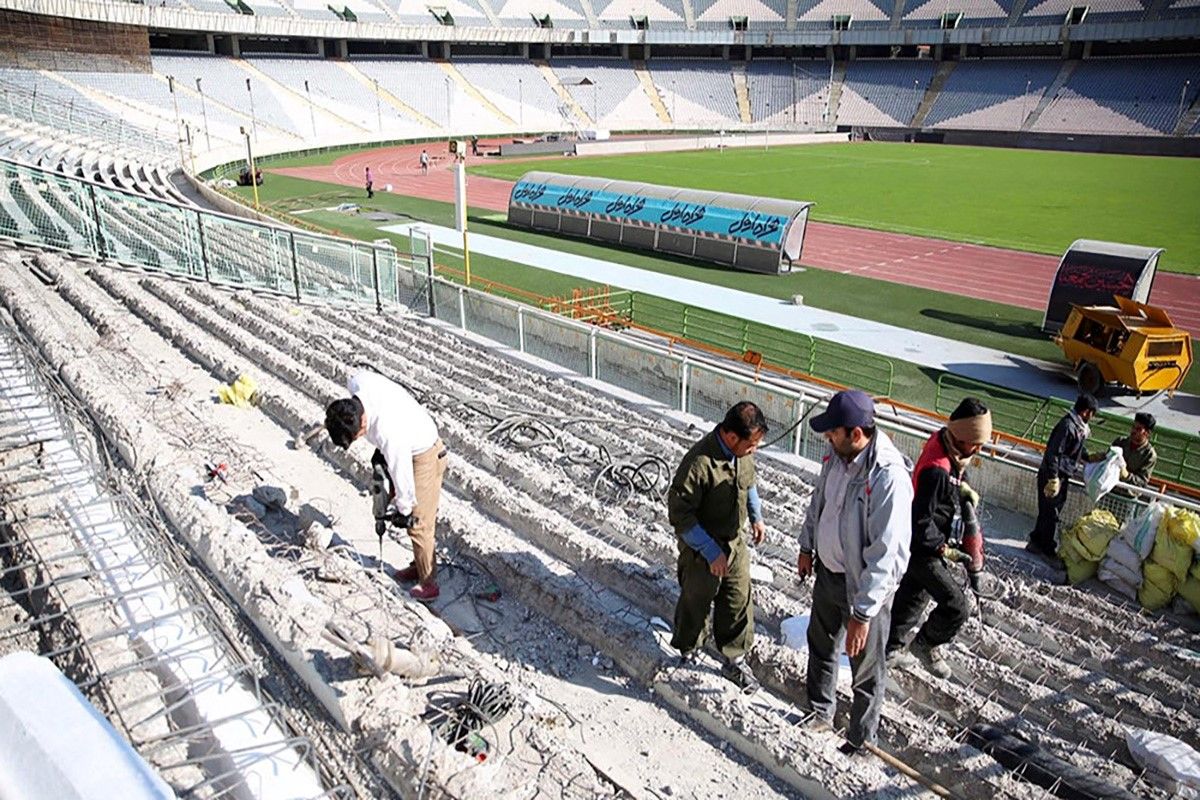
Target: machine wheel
x,y
1089,379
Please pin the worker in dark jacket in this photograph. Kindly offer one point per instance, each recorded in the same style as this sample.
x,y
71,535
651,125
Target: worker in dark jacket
x,y
1140,456
940,489
712,500
1059,463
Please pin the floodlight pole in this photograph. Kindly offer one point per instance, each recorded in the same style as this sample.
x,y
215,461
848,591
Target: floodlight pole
x,y
767,128
312,119
250,160
829,95
521,103
1182,97
178,127
378,112
795,99
253,118
204,113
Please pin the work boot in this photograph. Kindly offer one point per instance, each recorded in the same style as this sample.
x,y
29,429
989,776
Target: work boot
x,y
934,659
901,658
425,592
738,672
407,575
853,750
689,658
816,724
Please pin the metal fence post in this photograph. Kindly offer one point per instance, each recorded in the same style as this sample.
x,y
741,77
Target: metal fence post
x,y
799,434
429,281
592,352
203,246
295,266
462,308
520,329
101,247
684,371
375,278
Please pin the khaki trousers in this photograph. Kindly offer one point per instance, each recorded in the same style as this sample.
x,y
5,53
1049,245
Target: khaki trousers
x,y
428,469
727,600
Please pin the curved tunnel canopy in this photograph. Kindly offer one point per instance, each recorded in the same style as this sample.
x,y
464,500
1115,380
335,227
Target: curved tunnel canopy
x,y
759,234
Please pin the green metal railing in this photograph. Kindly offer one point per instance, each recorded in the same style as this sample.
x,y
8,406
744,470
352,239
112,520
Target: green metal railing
x,y
19,102
1033,418
97,221
800,352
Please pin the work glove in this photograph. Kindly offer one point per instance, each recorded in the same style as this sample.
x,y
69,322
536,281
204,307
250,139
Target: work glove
x,y
967,494
953,554
1052,487
1124,474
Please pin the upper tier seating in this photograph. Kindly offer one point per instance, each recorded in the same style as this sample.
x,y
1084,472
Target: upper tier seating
x,y
883,92
1123,95
994,95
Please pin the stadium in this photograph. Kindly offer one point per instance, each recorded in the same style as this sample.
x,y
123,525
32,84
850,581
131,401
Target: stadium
x,y
576,232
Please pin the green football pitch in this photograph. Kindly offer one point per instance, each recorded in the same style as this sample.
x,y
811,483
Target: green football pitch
x,y
1031,200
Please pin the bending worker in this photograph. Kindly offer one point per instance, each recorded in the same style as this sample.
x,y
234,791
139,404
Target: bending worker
x,y
855,537
713,499
407,445
940,490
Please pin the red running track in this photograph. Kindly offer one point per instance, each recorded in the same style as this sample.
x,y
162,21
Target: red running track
x,y
1011,277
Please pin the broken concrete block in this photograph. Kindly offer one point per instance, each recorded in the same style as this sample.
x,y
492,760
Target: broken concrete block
x,y
271,496
309,515
251,505
318,536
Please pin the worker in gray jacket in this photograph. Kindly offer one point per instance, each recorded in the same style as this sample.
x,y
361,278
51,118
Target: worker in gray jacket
x,y
856,538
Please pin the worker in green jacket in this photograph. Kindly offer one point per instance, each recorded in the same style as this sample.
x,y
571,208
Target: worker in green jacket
x,y
1140,456
712,502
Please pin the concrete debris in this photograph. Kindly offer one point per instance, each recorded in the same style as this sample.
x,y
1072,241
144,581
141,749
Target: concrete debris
x,y
271,496
251,506
585,576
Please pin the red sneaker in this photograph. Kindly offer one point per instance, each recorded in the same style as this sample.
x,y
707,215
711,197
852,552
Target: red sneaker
x,y
425,592
407,575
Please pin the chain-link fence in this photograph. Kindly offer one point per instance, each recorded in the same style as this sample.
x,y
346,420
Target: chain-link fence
x,y
96,221
1006,477
1033,418
87,219
790,350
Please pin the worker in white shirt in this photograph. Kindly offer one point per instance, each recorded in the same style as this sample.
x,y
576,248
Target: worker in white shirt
x,y
406,442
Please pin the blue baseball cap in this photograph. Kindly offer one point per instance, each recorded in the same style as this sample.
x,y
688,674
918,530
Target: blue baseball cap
x,y
848,409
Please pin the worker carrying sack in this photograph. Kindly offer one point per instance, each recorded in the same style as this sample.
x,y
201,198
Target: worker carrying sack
x,y
1100,478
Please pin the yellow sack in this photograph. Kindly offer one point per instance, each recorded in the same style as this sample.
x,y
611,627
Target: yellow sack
x,y
1170,553
1079,571
1088,538
242,393
1158,586
1182,525
1190,590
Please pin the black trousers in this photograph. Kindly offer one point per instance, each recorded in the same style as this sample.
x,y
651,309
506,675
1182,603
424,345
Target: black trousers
x,y
827,640
926,577
1049,509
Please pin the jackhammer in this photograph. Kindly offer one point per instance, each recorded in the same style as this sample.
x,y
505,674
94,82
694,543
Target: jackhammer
x,y
381,502
968,551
